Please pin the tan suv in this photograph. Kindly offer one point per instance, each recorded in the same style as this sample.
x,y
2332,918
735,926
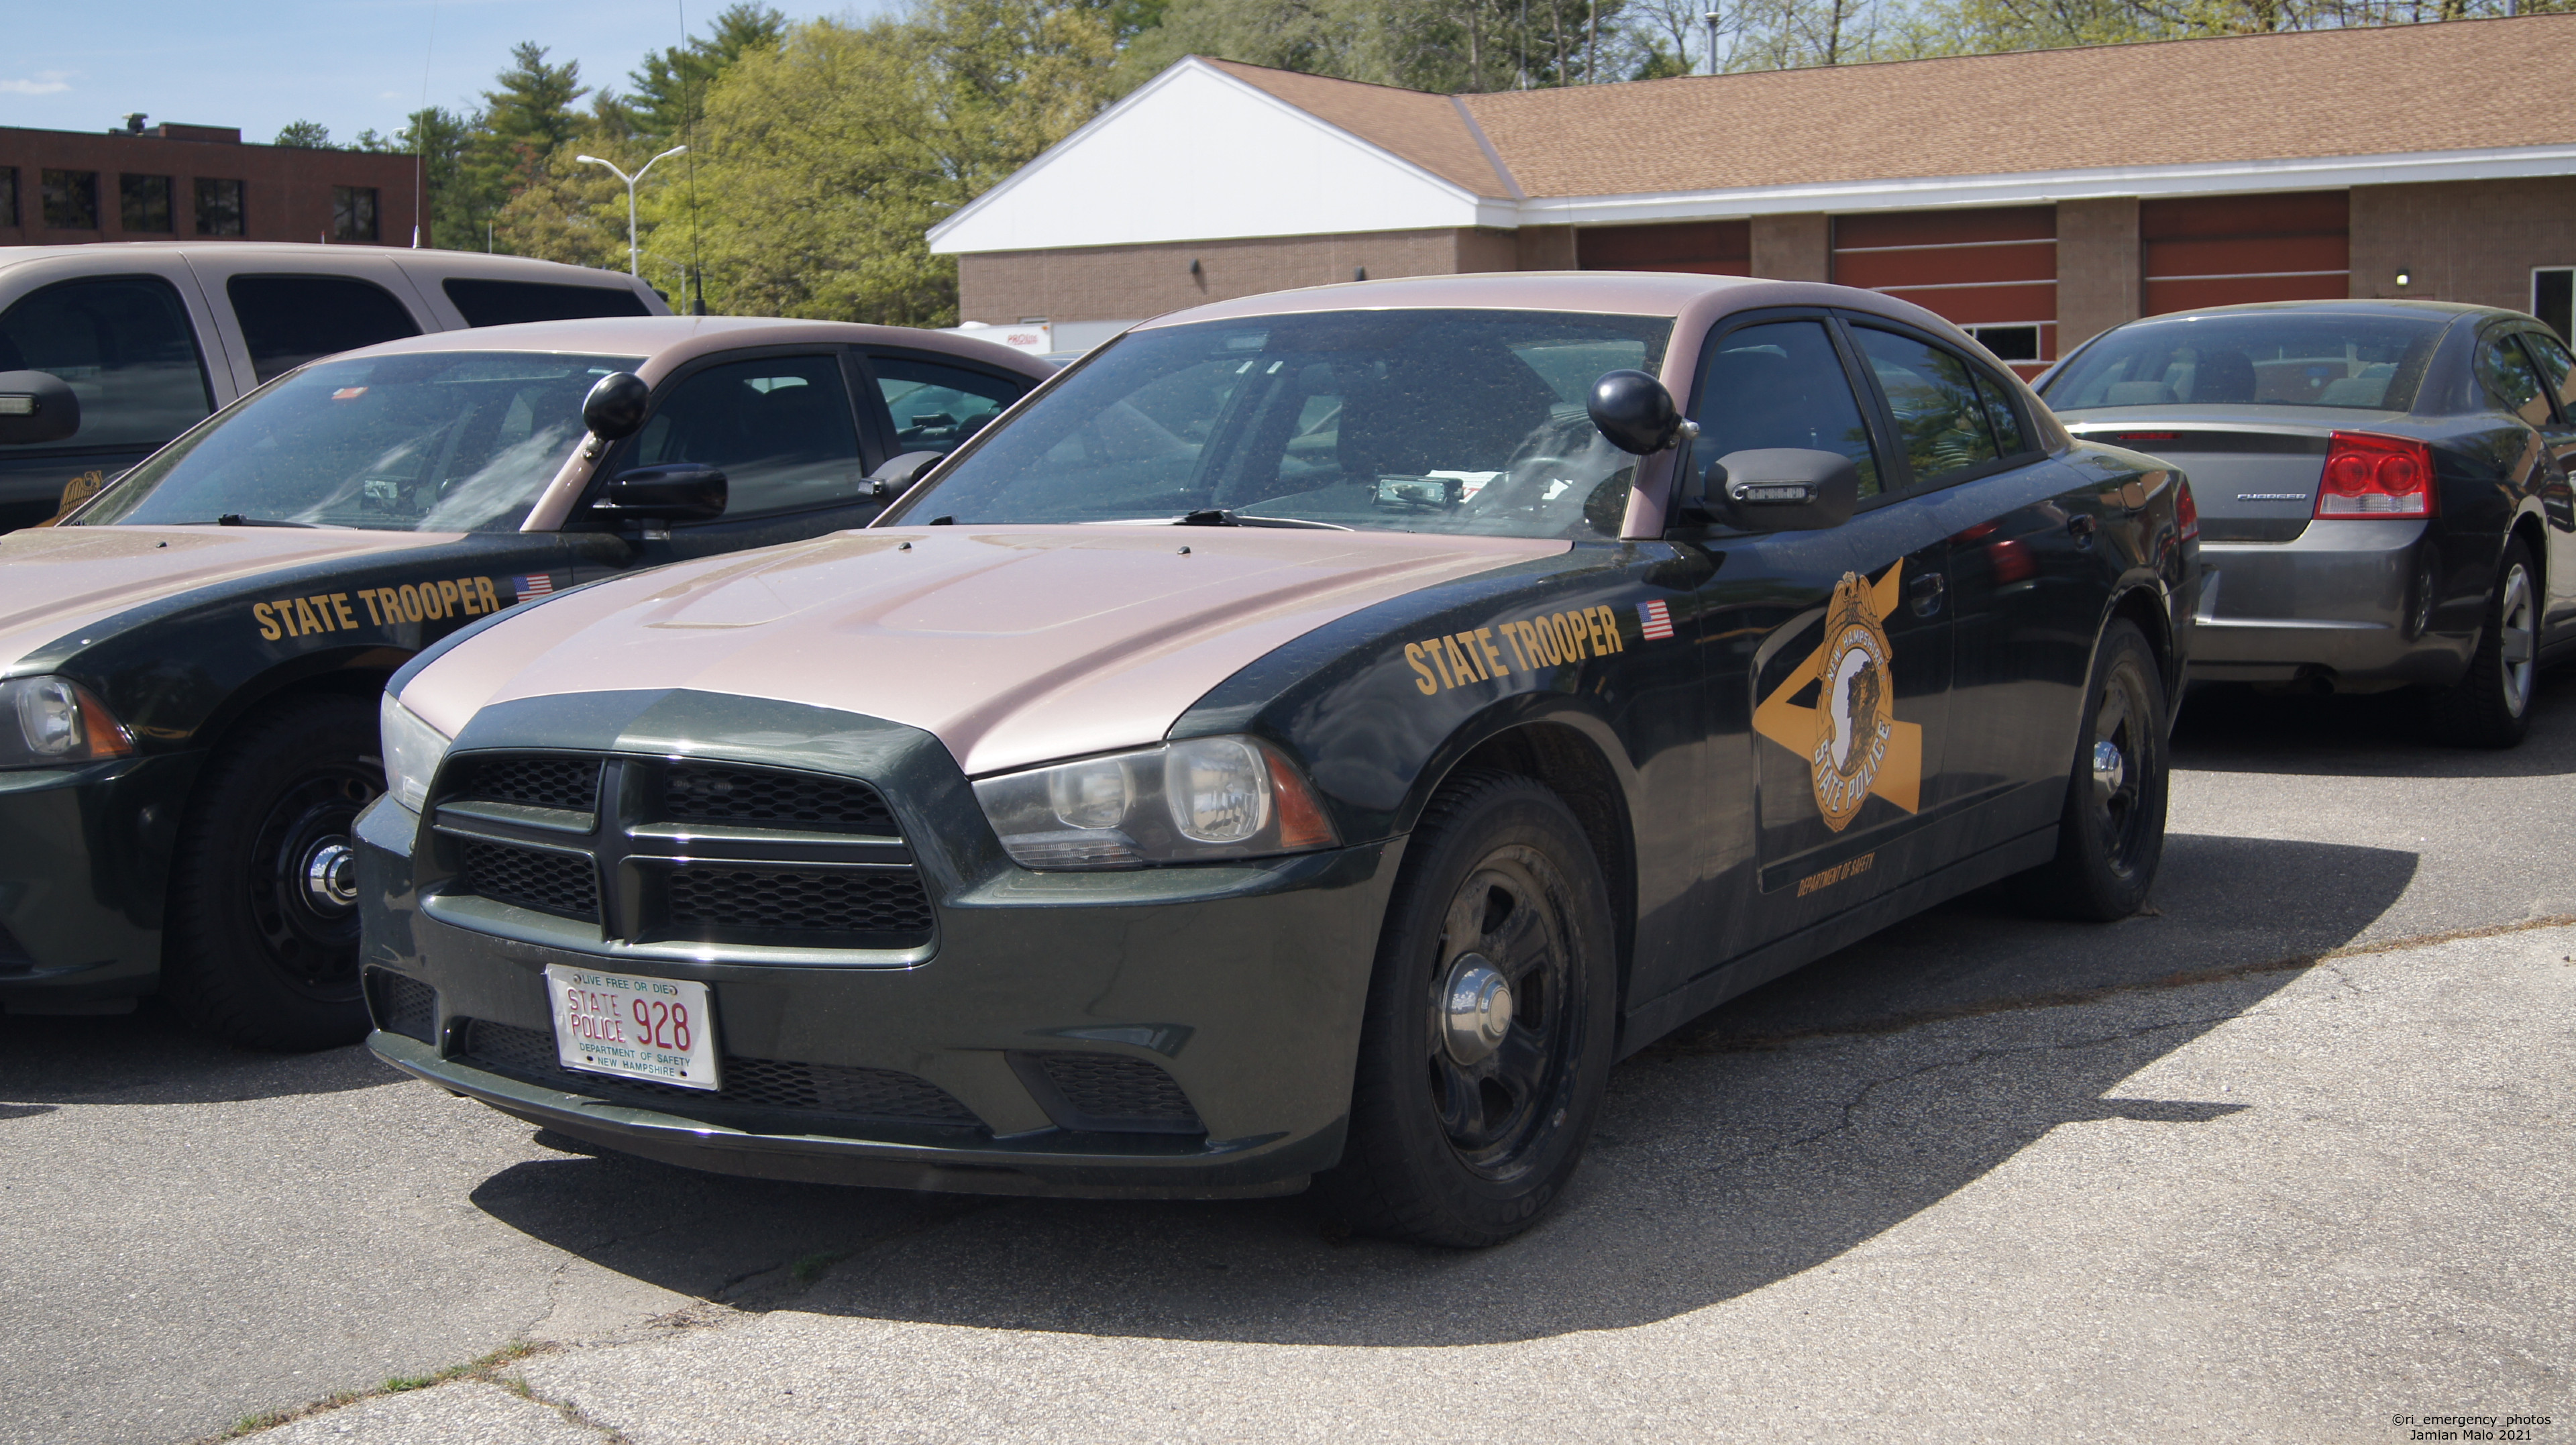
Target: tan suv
x,y
153,336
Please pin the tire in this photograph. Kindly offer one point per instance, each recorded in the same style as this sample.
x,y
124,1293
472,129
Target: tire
x,y
2111,836
1448,1147
256,952
2490,706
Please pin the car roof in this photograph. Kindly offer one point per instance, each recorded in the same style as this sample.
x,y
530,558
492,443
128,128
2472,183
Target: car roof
x,y
1681,295
294,251
2417,310
665,342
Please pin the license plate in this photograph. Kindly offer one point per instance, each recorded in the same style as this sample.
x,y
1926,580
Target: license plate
x,y
660,1029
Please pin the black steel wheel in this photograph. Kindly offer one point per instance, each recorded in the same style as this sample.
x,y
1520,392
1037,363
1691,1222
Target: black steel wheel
x,y
261,946
2111,835
1486,1046
2490,706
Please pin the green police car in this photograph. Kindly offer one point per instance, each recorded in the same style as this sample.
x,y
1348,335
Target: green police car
x,y
189,663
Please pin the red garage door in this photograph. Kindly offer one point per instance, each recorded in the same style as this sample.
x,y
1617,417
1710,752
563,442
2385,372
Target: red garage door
x,y
2222,250
1710,248
1991,272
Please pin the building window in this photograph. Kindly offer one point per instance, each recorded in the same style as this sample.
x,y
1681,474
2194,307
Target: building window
x,y
143,203
71,200
353,213
219,207
2553,298
2009,343
8,195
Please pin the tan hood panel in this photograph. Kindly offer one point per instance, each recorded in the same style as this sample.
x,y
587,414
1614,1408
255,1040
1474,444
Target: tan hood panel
x,y
56,580
1012,645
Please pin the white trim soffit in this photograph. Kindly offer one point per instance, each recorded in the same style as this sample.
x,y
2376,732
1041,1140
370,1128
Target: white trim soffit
x,y
2036,187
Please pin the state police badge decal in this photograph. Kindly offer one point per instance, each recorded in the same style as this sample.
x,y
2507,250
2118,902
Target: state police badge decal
x,y
1855,746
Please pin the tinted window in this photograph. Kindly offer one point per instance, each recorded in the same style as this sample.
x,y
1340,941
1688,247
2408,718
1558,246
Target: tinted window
x,y
2556,368
780,428
1781,384
219,207
124,344
2276,358
2509,380
1401,420
935,407
2001,415
289,320
504,303
438,441
1940,418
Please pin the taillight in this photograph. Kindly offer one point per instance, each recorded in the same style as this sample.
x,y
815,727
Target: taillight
x,y
2186,512
2376,476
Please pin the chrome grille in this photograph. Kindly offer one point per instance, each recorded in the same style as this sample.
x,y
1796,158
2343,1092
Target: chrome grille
x,y
535,781
800,900
560,883
840,1090
708,793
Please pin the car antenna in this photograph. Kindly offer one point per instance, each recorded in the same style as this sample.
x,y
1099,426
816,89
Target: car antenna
x,y
420,134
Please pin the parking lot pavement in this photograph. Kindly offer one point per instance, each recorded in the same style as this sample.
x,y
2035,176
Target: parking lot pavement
x,y
1862,1152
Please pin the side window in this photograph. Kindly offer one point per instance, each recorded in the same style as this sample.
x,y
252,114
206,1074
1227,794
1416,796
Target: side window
x,y
2557,369
1933,391
2001,416
1781,384
125,345
935,407
502,303
2510,382
289,320
780,428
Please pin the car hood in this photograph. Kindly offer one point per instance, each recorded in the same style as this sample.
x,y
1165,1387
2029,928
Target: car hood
x,y
1012,645
55,581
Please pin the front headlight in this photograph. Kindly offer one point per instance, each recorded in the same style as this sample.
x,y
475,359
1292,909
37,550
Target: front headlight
x,y
412,752
1184,802
46,721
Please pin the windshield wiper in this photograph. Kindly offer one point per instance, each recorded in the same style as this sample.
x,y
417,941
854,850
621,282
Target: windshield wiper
x,y
1220,517
236,519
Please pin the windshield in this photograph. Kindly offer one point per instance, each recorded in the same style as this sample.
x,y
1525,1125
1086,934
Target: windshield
x,y
428,442
1401,421
2274,358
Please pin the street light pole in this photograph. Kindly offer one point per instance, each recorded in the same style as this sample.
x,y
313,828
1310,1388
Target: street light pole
x,y
631,268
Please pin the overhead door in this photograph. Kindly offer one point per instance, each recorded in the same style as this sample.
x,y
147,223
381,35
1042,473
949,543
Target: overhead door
x,y
1991,272
1709,248
2223,250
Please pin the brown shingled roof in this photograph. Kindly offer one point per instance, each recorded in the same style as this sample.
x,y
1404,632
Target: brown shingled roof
x,y
2456,85
1425,129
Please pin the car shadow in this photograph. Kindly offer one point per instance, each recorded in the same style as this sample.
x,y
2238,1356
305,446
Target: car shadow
x,y
1755,1143
151,1056
2234,729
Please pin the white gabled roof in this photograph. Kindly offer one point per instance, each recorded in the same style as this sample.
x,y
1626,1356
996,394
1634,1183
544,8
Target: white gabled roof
x,y
1198,154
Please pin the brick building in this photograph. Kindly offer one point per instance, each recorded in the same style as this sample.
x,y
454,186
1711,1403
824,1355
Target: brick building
x,y
2035,198
190,182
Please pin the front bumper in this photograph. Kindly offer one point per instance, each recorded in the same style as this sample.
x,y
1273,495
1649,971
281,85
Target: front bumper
x,y
84,871
2351,603
1243,984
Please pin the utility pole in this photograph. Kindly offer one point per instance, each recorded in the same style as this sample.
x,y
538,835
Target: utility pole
x,y
1712,17
631,268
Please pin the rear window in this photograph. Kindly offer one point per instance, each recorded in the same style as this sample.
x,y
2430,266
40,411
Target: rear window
x,y
2277,358
506,303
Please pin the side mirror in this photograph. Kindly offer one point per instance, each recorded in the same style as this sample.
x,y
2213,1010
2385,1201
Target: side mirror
x,y
616,406
678,492
899,473
35,407
1634,411
1785,489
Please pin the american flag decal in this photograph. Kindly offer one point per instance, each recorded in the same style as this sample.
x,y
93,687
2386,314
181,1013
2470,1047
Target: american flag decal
x,y
1657,620
535,584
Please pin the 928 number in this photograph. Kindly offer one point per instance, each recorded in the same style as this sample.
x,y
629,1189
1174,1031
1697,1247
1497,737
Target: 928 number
x,y
664,1025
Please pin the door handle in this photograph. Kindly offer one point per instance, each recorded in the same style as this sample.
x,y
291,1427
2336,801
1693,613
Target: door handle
x,y
1927,588
2081,526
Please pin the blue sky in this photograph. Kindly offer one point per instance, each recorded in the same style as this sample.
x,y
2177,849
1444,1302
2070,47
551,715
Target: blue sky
x,y
83,64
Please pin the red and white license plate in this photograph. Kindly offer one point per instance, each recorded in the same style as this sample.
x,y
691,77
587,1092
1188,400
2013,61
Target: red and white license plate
x,y
661,1029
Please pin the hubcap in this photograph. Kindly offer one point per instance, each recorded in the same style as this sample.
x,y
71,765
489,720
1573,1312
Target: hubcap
x,y
1479,1009
331,876
2110,768
2520,641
